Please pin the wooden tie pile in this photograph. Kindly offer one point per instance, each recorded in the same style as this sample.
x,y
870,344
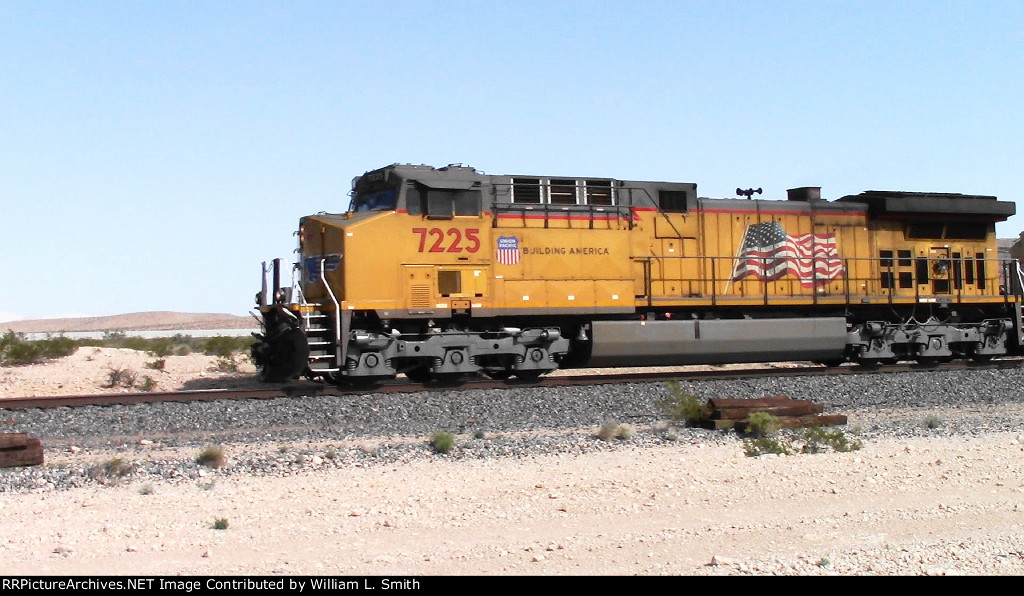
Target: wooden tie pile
x,y
18,449
720,414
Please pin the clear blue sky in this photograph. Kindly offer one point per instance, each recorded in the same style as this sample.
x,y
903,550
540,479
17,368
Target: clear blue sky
x,y
152,154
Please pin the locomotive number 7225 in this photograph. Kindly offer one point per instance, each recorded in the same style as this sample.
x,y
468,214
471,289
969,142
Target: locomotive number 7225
x,y
457,239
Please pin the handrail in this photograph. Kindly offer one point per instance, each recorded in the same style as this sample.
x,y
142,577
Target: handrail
x,y
620,208
263,290
701,283
297,288
337,315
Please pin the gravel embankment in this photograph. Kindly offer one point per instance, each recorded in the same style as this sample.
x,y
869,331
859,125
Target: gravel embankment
x,y
286,436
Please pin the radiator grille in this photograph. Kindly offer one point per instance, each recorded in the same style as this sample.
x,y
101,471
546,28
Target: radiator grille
x,y
420,297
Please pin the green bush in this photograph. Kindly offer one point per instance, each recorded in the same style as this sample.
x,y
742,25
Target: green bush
x,y
111,471
766,445
22,352
225,346
818,439
211,456
162,347
611,429
118,467
762,424
139,344
680,405
442,442
148,384
56,347
626,432
15,350
121,377
220,523
813,439
608,430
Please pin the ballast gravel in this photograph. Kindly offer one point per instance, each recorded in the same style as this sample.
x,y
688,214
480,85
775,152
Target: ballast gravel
x,y
529,487
527,420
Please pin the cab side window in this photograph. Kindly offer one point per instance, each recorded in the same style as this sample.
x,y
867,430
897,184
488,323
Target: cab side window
x,y
441,203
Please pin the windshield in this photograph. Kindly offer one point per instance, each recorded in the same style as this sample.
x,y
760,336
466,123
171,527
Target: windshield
x,y
383,200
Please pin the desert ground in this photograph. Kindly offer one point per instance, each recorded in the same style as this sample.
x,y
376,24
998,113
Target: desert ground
x,y
932,506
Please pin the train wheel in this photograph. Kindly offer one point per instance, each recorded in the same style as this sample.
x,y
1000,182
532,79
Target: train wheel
x,y
419,374
498,374
528,375
336,378
450,379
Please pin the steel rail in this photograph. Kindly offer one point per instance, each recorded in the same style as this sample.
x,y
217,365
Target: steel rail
x,y
313,389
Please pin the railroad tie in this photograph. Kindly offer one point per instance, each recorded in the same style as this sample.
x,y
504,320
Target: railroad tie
x,y
730,413
18,449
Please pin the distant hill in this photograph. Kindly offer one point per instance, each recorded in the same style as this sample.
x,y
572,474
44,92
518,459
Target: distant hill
x,y
138,321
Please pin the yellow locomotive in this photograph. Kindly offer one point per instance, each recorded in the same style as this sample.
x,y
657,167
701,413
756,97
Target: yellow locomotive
x,y
443,272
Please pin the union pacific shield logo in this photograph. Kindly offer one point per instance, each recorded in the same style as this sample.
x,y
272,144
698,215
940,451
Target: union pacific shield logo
x,y
508,250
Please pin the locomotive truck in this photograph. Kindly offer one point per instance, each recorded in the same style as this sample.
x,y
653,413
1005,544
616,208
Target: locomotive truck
x,y
437,273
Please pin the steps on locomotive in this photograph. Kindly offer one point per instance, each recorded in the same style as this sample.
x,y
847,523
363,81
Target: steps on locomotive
x,y
319,328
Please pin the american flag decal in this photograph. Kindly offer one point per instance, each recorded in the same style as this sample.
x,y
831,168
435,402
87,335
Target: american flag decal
x,y
769,253
508,250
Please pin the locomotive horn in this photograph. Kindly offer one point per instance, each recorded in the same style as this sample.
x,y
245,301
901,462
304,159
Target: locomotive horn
x,y
747,193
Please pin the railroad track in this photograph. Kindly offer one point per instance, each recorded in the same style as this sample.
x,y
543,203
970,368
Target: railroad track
x,y
313,389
